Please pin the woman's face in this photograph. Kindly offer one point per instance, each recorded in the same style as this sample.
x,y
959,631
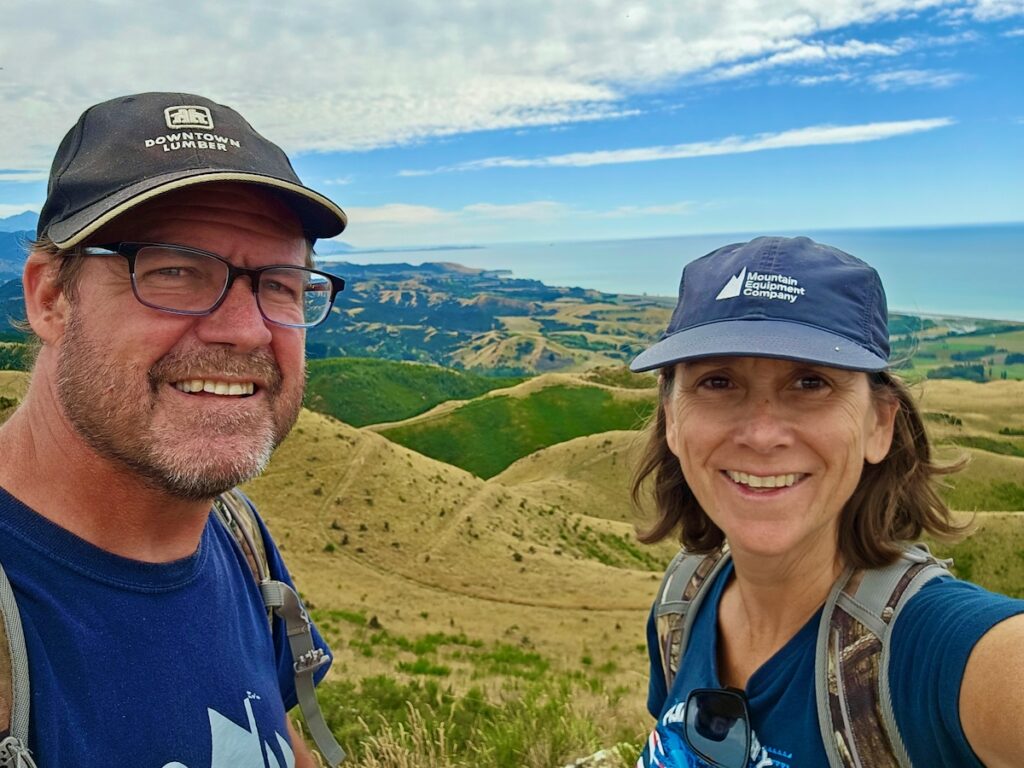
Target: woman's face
x,y
773,449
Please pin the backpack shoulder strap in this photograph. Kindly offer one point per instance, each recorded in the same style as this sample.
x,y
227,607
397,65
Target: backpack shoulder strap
x,y
682,590
855,713
237,514
14,683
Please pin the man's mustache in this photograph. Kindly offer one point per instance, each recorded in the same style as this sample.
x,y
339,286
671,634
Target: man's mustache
x,y
213,363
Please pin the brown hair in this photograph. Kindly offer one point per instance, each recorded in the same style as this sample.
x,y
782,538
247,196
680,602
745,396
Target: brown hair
x,y
69,265
894,502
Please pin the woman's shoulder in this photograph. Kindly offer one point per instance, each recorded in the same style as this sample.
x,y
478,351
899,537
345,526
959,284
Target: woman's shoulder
x,y
949,599
931,641
933,635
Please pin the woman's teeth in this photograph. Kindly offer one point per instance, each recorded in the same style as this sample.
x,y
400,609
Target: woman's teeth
x,y
767,481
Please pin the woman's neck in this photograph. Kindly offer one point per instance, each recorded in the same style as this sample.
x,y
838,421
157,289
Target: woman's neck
x,y
766,604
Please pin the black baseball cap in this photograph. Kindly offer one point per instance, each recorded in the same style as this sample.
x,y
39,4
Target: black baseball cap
x,y
789,298
128,150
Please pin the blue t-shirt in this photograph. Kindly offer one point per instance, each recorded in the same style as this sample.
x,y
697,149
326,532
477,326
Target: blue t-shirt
x,y
168,665
931,643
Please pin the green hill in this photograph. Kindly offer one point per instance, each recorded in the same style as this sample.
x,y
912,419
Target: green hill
x,y
362,391
487,435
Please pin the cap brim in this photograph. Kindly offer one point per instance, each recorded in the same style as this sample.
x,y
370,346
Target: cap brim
x,y
320,216
759,338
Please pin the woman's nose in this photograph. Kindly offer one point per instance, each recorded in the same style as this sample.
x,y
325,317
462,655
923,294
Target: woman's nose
x,y
763,426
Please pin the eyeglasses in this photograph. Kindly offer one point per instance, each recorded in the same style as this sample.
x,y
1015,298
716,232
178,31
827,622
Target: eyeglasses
x,y
187,281
717,726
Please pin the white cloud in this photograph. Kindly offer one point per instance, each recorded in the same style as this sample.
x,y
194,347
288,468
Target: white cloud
x,y
901,79
817,135
18,177
340,181
327,75
820,79
13,209
540,209
402,224
1018,32
684,208
810,53
398,214
991,10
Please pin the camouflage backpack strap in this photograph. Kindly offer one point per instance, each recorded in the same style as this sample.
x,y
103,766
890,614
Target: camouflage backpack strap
x,y
681,593
14,683
236,513
855,713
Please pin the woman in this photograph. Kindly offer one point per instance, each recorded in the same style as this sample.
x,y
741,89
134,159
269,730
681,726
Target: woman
x,y
781,440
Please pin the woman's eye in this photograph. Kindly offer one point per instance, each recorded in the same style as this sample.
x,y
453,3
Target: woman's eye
x,y
811,382
715,382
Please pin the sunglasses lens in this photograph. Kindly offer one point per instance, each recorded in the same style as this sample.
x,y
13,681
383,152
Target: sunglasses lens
x,y
717,727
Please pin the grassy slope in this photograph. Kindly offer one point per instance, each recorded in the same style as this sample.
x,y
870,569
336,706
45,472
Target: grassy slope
x,y
487,435
371,529
361,391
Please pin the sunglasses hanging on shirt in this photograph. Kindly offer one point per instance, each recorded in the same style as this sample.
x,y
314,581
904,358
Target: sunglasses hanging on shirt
x,y
717,726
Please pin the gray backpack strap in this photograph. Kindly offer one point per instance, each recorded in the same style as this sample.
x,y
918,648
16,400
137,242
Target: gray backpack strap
x,y
681,593
14,684
308,659
237,515
855,713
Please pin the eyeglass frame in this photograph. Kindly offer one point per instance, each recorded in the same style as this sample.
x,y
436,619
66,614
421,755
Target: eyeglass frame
x,y
735,694
130,251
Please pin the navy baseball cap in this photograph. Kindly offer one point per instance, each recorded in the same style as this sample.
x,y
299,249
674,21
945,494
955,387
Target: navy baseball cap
x,y
789,298
128,150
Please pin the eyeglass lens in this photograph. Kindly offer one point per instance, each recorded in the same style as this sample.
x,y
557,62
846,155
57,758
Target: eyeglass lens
x,y
184,281
717,728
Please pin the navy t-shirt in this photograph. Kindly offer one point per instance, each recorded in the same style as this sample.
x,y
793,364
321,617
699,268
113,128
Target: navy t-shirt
x,y
931,643
168,665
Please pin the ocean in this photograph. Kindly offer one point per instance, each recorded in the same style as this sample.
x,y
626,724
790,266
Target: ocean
x,y
971,271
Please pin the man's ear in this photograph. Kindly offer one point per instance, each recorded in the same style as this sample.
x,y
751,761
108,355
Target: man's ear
x,y
46,306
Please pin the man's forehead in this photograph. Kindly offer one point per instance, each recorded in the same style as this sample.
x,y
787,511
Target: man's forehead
x,y
244,207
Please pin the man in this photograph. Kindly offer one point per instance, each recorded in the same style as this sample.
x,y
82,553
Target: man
x,y
171,364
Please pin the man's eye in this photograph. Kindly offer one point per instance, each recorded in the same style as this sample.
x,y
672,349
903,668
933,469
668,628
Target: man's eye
x,y
170,273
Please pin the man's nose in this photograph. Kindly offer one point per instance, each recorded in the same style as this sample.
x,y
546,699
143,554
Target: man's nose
x,y
237,321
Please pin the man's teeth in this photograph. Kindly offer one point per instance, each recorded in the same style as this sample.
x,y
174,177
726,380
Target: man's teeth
x,y
769,481
216,387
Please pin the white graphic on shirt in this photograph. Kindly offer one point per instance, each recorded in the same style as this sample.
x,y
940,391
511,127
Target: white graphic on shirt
x,y
234,745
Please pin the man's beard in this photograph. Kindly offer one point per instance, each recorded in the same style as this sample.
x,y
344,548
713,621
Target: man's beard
x,y
190,454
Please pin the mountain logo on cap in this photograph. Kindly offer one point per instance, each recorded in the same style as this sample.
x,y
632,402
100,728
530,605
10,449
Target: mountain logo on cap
x,y
762,285
733,287
188,116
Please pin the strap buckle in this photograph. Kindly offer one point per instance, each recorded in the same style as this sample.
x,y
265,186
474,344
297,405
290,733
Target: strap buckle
x,y
311,661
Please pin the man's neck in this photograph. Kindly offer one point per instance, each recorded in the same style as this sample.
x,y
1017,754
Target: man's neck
x,y
48,467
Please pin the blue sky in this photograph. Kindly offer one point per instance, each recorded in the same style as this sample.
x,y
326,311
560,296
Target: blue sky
x,y
462,122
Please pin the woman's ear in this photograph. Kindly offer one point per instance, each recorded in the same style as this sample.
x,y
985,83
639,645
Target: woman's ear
x,y
879,439
46,306
667,390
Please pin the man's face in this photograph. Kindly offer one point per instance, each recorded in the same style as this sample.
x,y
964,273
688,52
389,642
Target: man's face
x,y
125,371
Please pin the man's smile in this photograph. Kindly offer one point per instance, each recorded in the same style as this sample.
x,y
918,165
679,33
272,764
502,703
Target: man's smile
x,y
216,387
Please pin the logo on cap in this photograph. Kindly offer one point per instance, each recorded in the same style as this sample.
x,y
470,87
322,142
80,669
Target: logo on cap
x,y
762,285
188,116
733,287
